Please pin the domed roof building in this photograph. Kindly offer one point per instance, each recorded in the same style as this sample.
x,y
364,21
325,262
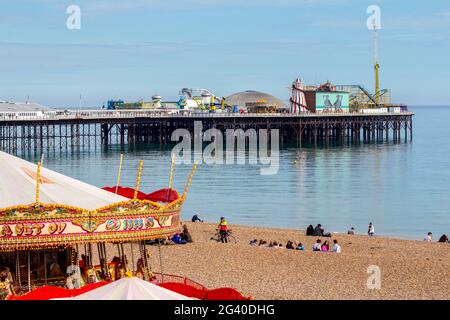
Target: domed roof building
x,y
251,98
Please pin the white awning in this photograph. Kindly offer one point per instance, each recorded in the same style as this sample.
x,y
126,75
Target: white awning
x,y
131,289
18,187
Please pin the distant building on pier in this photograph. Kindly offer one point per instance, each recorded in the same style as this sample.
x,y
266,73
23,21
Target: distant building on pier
x,y
256,101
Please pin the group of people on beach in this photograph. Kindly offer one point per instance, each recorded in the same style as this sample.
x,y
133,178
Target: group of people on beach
x,y
278,245
318,231
325,246
442,239
318,246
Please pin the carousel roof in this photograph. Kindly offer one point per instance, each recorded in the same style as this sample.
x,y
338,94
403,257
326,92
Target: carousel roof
x,y
18,187
131,289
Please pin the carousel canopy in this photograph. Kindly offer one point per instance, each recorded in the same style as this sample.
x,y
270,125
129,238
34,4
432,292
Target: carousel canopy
x,y
131,289
18,187
161,195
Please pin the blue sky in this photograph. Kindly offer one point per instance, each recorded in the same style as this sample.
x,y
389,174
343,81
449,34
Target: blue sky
x,y
134,49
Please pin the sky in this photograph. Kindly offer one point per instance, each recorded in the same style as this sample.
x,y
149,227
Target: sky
x,y
135,49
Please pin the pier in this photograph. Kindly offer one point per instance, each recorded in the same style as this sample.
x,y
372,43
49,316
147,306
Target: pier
x,y
54,131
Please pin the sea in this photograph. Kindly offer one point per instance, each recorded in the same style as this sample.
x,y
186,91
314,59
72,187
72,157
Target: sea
x,y
403,189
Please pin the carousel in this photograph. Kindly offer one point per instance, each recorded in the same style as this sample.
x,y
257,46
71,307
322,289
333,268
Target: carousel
x,y
54,230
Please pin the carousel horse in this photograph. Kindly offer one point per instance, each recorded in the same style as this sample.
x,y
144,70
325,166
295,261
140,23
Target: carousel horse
x,y
91,275
140,270
73,280
112,271
6,288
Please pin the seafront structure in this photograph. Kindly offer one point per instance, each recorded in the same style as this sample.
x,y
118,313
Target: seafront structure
x,y
87,129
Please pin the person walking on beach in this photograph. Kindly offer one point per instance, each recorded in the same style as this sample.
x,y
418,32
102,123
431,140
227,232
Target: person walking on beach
x,y
223,230
371,231
429,237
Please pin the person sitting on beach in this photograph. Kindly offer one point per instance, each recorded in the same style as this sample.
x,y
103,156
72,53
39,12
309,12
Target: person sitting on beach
x,y
185,235
429,237
177,239
443,239
351,231
195,218
290,245
371,231
318,245
325,247
253,242
300,246
310,230
318,231
336,247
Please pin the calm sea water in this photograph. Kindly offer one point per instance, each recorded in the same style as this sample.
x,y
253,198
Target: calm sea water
x,y
404,189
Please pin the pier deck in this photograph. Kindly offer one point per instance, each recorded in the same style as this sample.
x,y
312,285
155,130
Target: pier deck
x,y
53,131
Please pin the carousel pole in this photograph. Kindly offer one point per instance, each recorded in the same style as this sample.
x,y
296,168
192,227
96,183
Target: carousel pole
x,y
106,257
77,256
172,169
38,182
124,260
160,261
18,278
86,260
100,255
147,271
120,171
99,252
91,263
138,180
141,251
45,267
186,188
132,258
29,271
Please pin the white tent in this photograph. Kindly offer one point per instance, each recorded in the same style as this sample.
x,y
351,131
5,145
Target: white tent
x,y
131,289
18,187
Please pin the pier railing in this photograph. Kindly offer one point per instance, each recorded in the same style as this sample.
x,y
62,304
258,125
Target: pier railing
x,y
112,114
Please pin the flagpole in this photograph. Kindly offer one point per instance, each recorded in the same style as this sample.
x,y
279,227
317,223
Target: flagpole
x,y
138,180
118,174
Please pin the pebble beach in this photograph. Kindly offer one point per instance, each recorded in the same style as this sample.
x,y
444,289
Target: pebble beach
x,y
409,269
